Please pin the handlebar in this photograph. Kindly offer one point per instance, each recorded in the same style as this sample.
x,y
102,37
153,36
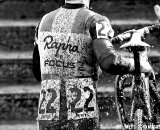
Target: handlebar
x,y
126,35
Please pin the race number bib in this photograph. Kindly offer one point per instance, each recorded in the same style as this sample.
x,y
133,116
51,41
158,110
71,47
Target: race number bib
x,y
49,102
81,99
104,30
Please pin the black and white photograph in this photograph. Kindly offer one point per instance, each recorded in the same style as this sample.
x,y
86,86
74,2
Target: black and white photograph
x,y
79,64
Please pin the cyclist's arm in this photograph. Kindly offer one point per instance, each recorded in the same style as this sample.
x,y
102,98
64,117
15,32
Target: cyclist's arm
x,y
36,59
104,51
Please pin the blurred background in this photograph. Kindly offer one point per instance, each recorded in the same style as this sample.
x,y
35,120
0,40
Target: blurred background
x,y
19,91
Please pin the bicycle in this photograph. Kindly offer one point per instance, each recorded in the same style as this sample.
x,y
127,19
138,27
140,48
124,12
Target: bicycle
x,y
139,87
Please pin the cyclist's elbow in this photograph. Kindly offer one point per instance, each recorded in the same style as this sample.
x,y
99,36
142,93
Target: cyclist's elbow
x,y
107,64
115,64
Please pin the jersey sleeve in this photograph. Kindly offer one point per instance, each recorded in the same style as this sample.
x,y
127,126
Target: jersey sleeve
x,y
107,58
100,27
36,63
36,58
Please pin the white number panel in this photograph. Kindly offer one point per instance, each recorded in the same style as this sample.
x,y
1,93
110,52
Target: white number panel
x,y
49,102
81,99
103,29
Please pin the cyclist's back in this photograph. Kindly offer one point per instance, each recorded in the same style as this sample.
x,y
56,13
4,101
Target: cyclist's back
x,y
65,43
68,67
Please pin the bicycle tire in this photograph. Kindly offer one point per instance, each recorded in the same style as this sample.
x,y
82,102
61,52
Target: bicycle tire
x,y
125,122
138,120
142,118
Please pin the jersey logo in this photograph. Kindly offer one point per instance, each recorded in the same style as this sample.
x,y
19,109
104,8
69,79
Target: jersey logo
x,y
102,29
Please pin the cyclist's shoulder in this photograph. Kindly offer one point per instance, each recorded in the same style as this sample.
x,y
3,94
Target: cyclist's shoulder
x,y
87,11
47,19
50,15
96,17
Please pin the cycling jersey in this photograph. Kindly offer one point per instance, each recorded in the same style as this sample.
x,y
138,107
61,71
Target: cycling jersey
x,y
71,43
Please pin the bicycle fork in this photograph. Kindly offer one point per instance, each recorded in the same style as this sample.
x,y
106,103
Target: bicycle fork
x,y
144,88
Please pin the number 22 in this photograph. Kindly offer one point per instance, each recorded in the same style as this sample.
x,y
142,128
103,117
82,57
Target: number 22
x,y
78,97
49,109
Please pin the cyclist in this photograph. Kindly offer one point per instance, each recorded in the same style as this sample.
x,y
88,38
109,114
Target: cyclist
x,y
70,45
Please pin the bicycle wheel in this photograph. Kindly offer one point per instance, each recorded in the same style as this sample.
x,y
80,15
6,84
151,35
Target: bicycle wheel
x,y
144,115
138,120
123,97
